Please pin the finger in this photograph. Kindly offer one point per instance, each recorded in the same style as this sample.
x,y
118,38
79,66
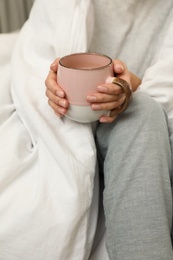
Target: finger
x,y
59,115
52,85
108,105
54,65
119,66
107,119
110,88
57,109
102,98
51,81
57,100
106,93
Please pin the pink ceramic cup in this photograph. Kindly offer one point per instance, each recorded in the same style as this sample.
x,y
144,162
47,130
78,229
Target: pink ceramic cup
x,y
79,75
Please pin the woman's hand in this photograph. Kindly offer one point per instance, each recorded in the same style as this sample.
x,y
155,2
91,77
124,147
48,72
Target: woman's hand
x,y
55,94
109,96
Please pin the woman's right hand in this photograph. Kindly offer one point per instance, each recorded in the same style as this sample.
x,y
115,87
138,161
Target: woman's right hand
x,y
56,96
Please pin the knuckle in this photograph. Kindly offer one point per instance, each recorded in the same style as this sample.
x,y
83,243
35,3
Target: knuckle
x,y
116,89
46,82
49,102
117,103
46,92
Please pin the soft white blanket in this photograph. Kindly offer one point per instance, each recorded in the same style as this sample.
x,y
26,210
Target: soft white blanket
x,y
48,203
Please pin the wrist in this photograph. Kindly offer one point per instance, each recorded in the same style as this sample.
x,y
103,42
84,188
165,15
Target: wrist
x,y
135,82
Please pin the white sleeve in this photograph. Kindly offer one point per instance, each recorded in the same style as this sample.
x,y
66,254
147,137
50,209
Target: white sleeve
x,y
158,79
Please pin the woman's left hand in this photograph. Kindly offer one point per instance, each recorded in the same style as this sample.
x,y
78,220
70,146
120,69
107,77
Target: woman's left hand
x,y
111,96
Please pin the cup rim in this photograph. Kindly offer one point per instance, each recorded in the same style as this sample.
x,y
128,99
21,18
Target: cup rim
x,y
85,53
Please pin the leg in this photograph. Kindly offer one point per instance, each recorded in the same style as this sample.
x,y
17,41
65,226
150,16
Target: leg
x,y
137,194
170,123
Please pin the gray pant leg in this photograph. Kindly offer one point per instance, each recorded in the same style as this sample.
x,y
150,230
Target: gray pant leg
x,y
170,123
137,194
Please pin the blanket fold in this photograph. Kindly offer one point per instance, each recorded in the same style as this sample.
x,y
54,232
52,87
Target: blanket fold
x,y
48,164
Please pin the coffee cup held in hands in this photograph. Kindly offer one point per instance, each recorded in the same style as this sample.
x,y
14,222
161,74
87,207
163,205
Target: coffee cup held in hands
x,y
79,74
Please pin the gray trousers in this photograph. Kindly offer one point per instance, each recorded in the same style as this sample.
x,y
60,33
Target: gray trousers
x,y
135,155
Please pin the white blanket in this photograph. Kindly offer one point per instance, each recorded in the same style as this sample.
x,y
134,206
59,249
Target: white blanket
x,y
48,203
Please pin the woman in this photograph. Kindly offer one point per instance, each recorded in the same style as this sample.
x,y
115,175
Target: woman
x,y
134,151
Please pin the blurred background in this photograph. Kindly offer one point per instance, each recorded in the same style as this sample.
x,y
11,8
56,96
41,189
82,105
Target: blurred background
x,y
13,13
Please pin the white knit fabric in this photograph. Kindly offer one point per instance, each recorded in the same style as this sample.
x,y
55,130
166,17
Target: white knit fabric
x,y
140,33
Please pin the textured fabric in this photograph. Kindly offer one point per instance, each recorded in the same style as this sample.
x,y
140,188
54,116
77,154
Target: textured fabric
x,y
137,195
127,30
140,33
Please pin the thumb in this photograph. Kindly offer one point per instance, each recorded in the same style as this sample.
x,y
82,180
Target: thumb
x,y
54,65
119,67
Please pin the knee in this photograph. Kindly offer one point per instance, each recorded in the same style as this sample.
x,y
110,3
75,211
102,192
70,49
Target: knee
x,y
145,104
144,116
144,110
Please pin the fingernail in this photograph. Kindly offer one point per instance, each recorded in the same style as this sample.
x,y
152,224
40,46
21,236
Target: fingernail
x,y
119,68
91,98
58,114
96,107
61,111
102,88
53,65
103,120
60,94
62,103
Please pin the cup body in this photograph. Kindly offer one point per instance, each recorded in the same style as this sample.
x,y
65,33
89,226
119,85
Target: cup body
x,y
79,75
